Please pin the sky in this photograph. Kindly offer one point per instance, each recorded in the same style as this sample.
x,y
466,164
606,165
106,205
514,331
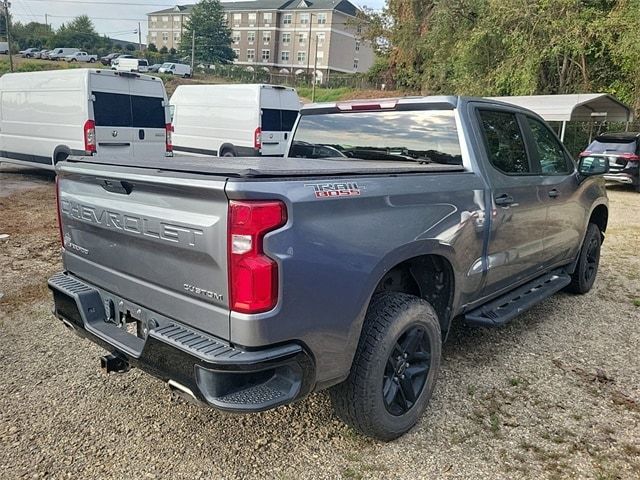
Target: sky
x,y
116,18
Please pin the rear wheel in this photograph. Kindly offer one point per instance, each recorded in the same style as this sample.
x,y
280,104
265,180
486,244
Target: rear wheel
x,y
228,153
92,60
585,273
394,369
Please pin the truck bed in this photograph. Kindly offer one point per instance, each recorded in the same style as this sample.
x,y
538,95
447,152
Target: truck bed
x,y
266,167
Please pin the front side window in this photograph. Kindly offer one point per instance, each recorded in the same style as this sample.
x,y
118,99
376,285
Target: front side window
x,y
428,136
504,142
551,154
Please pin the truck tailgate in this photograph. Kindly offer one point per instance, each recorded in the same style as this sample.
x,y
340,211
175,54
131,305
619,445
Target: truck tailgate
x,y
155,237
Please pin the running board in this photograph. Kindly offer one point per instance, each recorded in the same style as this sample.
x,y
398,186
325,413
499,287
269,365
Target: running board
x,y
506,308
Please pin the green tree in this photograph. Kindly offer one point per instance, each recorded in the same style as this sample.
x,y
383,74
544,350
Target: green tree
x,y
80,33
152,47
212,36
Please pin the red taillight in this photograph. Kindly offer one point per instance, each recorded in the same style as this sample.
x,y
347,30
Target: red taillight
x,y
630,156
90,137
169,142
59,214
253,276
257,139
586,153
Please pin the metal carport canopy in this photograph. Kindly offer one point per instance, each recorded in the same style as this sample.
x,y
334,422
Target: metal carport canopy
x,y
580,107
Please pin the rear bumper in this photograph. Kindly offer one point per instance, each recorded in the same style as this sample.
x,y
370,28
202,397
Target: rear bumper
x,y
206,368
621,178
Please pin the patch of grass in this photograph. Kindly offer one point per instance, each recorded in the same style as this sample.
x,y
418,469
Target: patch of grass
x,y
515,381
326,94
636,302
471,390
351,473
494,422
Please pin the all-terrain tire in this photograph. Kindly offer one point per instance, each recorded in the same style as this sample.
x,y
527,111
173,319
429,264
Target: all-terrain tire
x,y
360,401
586,270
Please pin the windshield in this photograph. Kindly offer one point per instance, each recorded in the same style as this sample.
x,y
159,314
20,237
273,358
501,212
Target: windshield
x,y
611,146
424,136
166,65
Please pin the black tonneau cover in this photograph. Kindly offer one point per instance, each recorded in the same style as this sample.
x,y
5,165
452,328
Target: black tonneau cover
x,y
256,167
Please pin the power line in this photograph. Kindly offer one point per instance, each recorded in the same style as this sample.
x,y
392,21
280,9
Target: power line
x,y
75,16
108,3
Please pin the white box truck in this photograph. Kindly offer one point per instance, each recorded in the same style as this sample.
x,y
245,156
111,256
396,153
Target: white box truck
x,y
233,120
47,116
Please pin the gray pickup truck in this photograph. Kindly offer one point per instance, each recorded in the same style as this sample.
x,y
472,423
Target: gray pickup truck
x,y
247,283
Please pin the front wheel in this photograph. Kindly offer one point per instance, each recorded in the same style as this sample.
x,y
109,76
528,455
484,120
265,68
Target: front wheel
x,y
92,60
586,270
394,369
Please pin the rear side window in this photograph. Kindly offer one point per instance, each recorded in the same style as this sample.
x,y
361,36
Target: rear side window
x,y
274,120
505,144
552,158
120,110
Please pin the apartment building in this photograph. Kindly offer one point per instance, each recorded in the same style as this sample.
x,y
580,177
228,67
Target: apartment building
x,y
293,36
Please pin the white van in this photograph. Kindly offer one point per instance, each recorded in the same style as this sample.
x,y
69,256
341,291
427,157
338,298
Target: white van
x,y
47,116
60,53
4,47
233,120
131,65
178,69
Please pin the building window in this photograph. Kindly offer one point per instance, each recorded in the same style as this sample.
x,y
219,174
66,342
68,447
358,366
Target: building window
x,y
302,37
357,46
237,18
251,55
252,19
302,57
286,19
321,37
225,18
267,17
176,18
251,37
266,55
304,18
236,51
154,34
154,19
235,36
359,29
266,37
285,56
322,18
320,55
355,63
286,38
165,19
165,37
176,37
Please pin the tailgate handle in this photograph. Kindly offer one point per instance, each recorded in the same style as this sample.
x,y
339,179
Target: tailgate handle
x,y
141,134
117,186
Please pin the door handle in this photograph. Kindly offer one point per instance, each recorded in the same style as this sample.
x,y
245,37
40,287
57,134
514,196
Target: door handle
x,y
504,200
141,134
554,193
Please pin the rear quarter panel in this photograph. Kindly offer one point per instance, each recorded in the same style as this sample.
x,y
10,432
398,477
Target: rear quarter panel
x,y
333,252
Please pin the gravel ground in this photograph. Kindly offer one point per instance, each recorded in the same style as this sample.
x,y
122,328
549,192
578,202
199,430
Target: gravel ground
x,y
555,394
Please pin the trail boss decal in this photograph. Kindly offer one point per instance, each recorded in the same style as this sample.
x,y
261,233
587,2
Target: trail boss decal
x,y
331,190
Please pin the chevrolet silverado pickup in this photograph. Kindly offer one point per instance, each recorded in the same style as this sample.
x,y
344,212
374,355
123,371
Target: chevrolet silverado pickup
x,y
247,283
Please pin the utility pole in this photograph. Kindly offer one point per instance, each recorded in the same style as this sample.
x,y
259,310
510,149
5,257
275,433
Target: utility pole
x,y
193,50
309,43
6,5
139,37
46,20
313,76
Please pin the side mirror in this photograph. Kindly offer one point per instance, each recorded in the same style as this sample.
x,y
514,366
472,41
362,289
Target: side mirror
x,y
593,165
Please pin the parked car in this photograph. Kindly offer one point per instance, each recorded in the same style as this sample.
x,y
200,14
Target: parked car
x,y
29,52
107,59
247,283
178,69
623,152
47,116
155,67
233,120
41,53
81,57
4,48
60,53
131,65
